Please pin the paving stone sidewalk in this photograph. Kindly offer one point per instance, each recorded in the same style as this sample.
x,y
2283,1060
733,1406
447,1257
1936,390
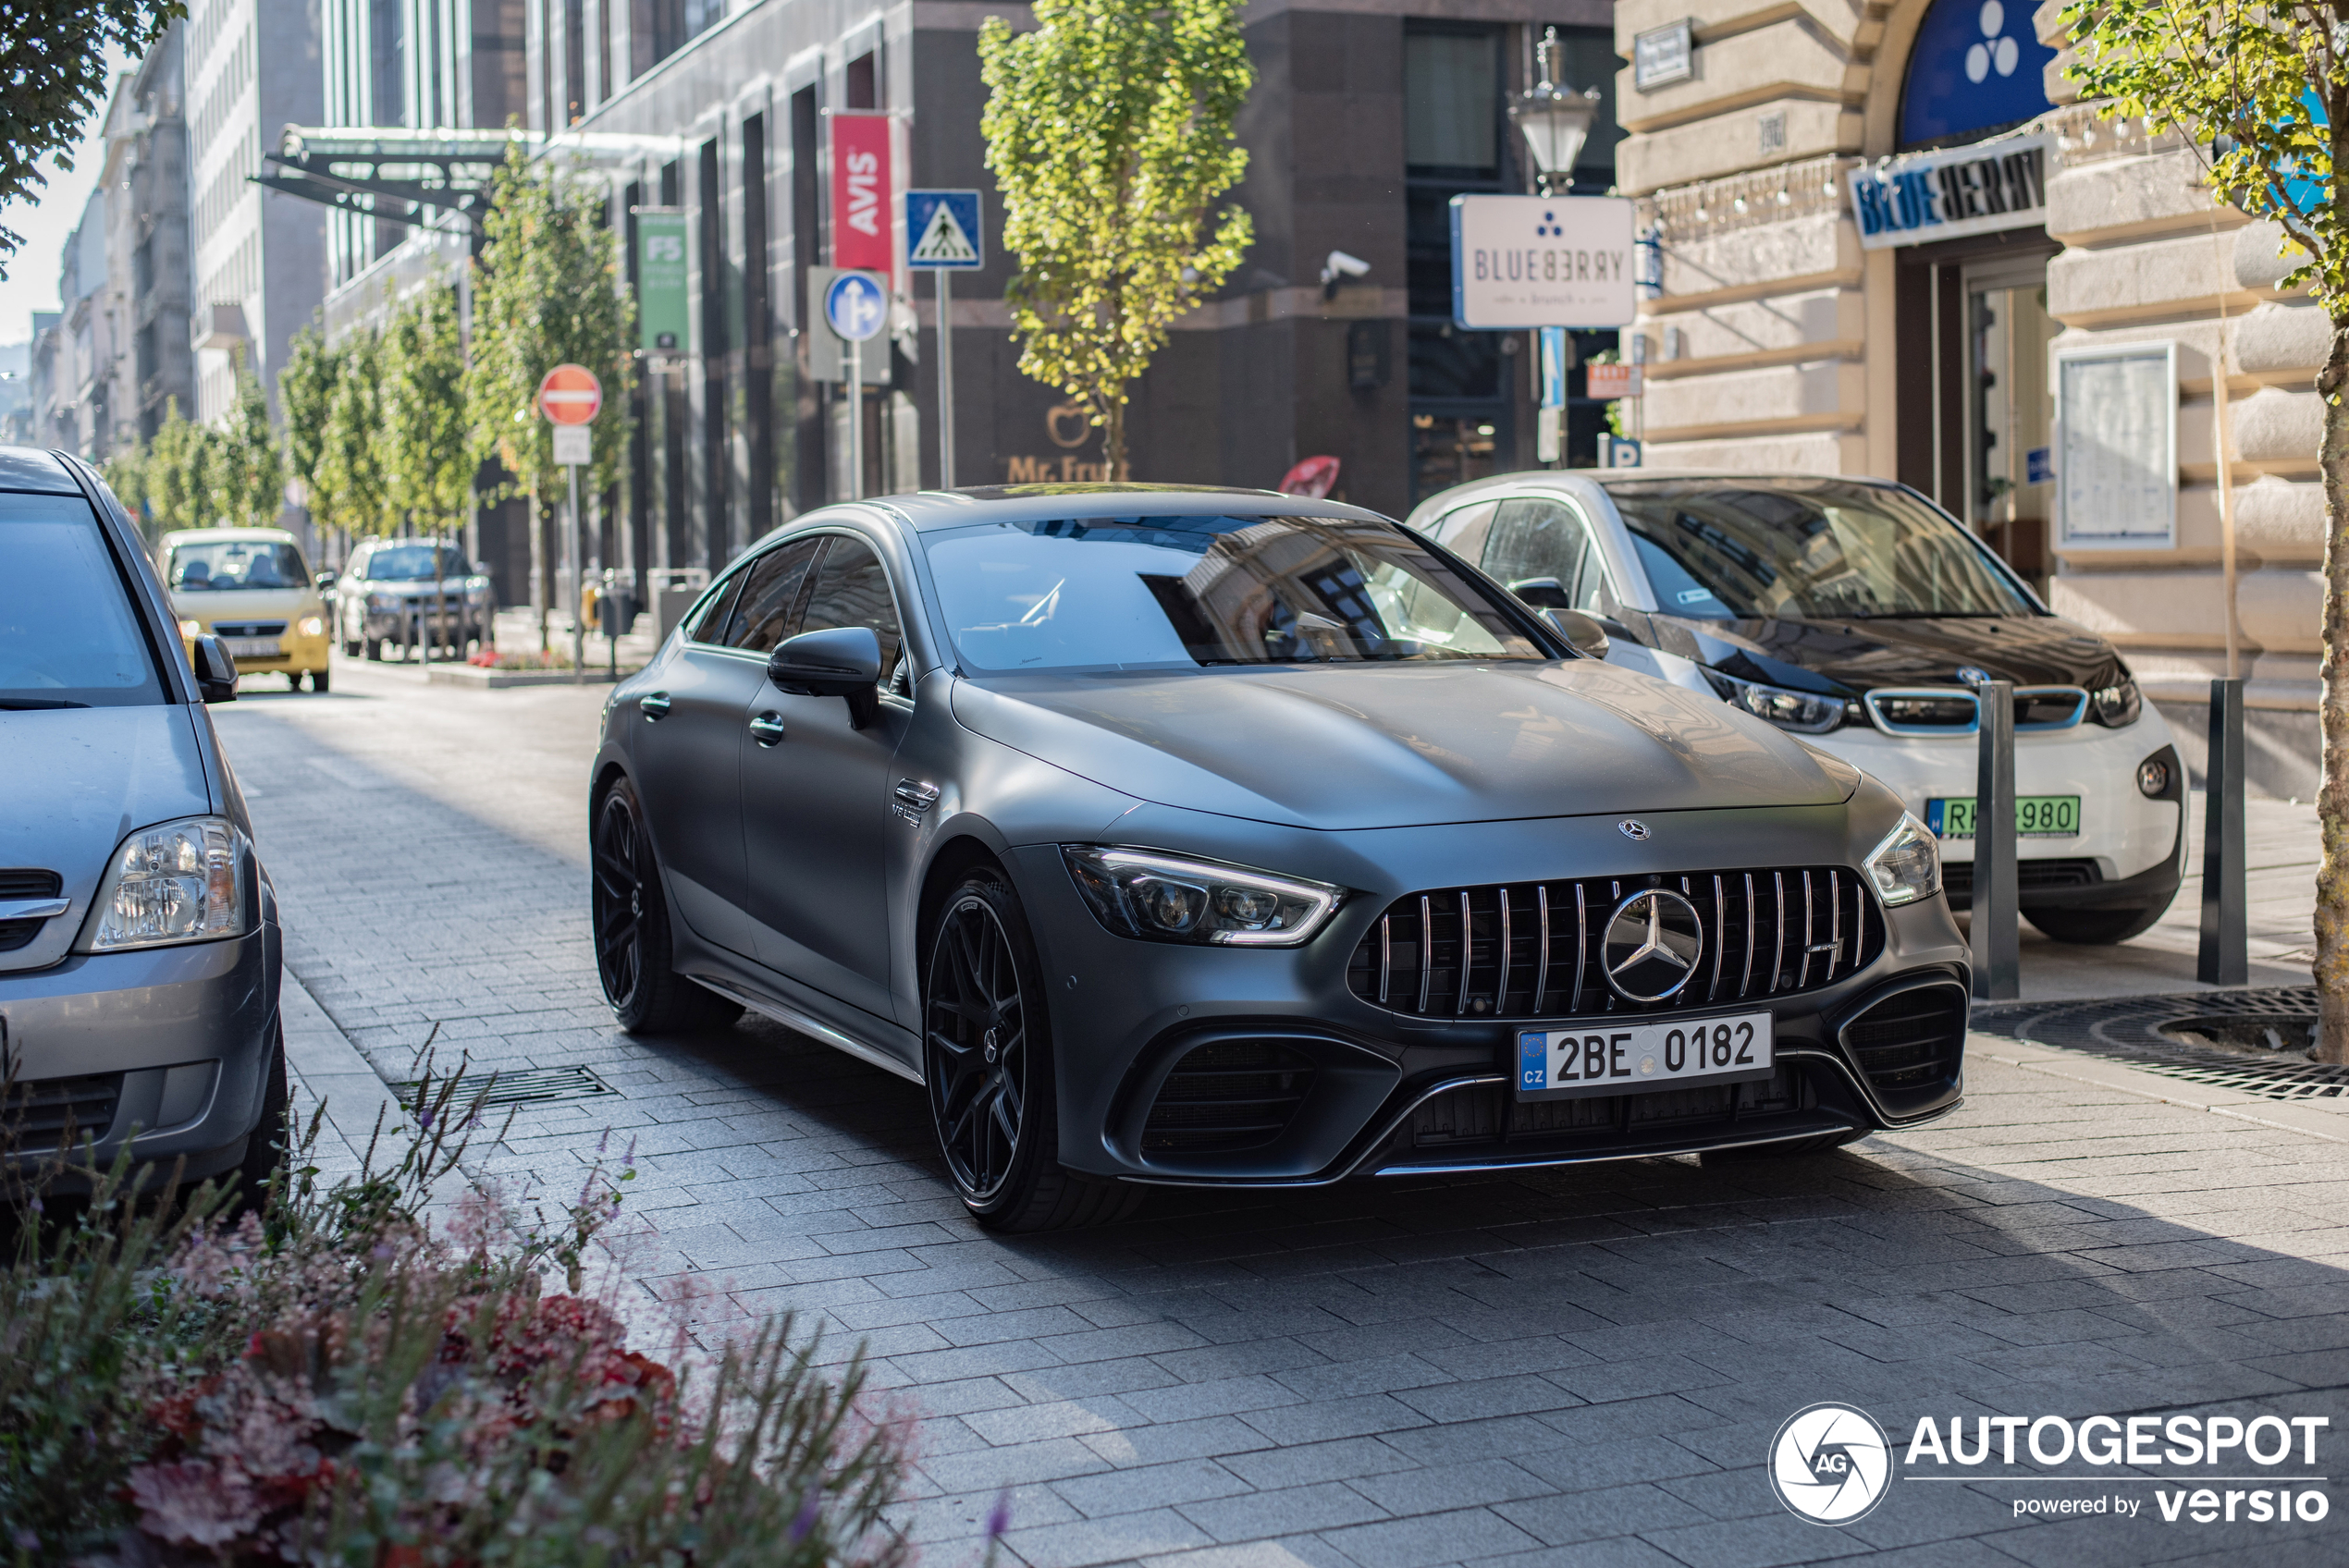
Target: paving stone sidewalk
x,y
1569,1367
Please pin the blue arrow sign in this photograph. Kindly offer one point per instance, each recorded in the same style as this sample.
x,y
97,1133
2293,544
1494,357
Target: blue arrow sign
x,y
942,231
856,306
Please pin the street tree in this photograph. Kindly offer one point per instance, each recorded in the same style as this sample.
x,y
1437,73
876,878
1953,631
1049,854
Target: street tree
x,y
2261,92
427,434
547,292
177,476
253,484
1109,132
305,399
53,57
351,457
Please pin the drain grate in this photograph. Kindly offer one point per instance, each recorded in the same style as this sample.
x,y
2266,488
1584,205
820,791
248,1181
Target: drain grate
x,y
2145,1032
525,1086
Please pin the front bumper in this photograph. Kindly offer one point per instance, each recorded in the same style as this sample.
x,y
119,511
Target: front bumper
x,y
168,1046
397,621
1384,1092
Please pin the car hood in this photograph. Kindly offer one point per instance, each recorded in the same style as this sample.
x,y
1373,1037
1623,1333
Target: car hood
x,y
79,780
247,604
1852,658
1356,746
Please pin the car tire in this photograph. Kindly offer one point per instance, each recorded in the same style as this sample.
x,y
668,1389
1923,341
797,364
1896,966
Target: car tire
x,y
633,954
265,1146
2095,928
987,1060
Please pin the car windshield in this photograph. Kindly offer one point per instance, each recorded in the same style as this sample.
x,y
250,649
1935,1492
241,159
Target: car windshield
x,y
223,565
411,563
1158,591
68,635
1728,549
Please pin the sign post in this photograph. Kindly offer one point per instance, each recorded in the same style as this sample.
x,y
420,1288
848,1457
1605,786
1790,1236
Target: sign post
x,y
941,236
1543,265
856,306
571,398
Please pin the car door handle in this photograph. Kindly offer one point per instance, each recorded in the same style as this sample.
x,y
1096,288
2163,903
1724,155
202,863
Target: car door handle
x,y
652,704
767,728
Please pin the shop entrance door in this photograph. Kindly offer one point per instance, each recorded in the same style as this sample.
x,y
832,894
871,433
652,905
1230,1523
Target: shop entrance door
x,y
2010,417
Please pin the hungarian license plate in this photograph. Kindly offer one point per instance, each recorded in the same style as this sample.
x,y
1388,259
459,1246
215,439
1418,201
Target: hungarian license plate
x,y
252,647
1613,1058
2035,816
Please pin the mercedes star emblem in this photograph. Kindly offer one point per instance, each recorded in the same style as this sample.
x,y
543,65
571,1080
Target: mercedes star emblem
x,y
1652,940
1634,830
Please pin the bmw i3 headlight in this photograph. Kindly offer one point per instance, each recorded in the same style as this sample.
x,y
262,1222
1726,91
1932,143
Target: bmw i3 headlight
x,y
1907,866
2116,707
1805,713
1162,898
179,882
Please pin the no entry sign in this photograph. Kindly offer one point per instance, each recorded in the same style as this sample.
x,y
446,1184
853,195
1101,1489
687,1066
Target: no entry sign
x,y
570,395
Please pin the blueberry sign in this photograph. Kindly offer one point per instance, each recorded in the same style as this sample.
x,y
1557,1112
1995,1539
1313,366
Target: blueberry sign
x,y
856,306
1943,195
1520,262
1976,67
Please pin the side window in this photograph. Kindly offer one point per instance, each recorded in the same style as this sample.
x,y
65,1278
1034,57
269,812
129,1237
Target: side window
x,y
762,613
852,589
1463,531
1534,538
710,625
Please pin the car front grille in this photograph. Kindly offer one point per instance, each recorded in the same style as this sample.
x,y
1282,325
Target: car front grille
x,y
25,884
2030,877
1535,949
1489,1113
248,627
35,1113
1228,1096
1910,1043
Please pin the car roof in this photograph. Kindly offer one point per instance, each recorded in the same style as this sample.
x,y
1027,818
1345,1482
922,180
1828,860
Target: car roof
x,y
929,511
1575,478
29,468
275,535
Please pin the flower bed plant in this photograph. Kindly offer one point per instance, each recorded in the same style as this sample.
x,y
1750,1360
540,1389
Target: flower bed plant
x,y
519,658
329,1378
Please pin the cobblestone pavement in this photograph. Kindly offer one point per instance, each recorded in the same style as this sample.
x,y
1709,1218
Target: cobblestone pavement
x,y
1578,1367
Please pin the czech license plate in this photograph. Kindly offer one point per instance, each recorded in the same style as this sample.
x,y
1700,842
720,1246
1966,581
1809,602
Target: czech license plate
x,y
252,647
2035,816
1616,1058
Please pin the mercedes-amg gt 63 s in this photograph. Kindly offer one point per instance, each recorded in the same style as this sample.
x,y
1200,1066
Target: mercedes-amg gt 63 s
x,y
1209,837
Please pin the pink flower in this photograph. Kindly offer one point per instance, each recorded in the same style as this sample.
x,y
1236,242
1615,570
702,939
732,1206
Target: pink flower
x,y
193,1504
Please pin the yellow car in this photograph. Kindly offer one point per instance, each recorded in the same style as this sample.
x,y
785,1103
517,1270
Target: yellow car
x,y
251,588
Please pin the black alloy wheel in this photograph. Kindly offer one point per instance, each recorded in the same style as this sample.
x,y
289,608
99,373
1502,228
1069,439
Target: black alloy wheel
x,y
987,1060
630,922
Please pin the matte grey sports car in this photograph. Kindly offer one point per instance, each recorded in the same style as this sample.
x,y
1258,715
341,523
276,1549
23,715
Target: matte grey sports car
x,y
1219,837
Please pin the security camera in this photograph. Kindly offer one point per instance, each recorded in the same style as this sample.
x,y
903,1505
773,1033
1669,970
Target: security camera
x,y
1340,264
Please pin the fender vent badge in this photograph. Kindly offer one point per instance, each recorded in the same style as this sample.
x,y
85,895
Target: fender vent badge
x,y
915,799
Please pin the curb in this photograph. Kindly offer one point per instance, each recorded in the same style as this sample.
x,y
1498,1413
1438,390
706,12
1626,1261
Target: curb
x,y
481,679
2291,1117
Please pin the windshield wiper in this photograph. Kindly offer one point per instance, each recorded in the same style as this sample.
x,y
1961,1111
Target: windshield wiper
x,y
36,704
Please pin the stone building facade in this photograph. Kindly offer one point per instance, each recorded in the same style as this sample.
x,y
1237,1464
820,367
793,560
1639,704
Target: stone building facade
x,y
1807,319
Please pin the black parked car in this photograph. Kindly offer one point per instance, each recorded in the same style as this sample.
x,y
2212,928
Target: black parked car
x,y
1214,837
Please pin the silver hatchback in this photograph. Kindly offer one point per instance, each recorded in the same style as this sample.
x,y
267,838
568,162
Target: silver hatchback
x,y
140,954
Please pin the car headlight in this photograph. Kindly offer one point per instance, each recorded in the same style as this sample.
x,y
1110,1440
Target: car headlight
x,y
379,601
1162,898
1805,713
1907,866
179,882
2116,707
191,628
312,626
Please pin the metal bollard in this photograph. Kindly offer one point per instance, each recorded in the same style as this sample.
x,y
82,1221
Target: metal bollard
x,y
2225,958
1997,961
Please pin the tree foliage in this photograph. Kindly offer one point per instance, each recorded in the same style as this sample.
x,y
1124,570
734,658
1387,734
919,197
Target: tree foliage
x,y
547,292
53,57
427,461
305,397
349,471
2262,90
252,486
1109,132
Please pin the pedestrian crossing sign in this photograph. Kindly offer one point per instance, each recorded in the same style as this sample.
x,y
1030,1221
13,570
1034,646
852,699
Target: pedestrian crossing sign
x,y
941,229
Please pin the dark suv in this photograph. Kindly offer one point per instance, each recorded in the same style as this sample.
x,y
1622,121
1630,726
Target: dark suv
x,y
139,950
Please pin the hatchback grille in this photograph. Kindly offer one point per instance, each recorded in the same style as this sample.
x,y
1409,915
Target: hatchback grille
x,y
25,884
1228,1096
35,1113
248,627
1535,949
1910,1043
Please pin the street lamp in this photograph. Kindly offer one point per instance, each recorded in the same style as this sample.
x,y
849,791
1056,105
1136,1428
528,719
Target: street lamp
x,y
1555,120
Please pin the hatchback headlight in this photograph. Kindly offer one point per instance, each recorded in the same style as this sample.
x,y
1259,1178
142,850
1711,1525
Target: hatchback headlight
x,y
2116,707
180,882
312,626
1162,898
1805,713
1907,866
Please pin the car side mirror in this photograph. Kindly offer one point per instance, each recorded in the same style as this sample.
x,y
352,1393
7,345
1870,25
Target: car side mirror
x,y
841,661
215,671
324,581
1542,593
1583,633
